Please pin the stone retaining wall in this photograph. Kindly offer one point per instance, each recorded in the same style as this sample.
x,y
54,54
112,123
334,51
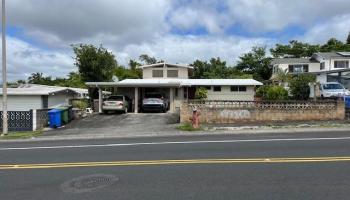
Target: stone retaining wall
x,y
220,112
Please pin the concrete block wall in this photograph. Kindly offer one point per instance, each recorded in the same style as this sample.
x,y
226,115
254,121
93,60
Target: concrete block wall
x,y
226,114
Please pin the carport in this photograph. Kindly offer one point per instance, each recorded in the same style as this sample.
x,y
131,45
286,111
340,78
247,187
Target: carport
x,y
136,88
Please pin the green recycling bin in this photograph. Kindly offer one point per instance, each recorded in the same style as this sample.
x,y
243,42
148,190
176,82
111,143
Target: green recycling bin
x,y
64,114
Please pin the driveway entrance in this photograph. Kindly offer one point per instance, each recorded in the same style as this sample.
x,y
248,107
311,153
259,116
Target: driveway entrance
x,y
120,124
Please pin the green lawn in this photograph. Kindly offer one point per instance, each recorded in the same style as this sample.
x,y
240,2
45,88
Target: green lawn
x,y
20,135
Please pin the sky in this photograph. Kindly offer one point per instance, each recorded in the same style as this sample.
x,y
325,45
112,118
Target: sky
x,y
40,32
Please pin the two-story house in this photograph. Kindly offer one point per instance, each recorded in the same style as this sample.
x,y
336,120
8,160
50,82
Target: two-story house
x,y
173,81
329,67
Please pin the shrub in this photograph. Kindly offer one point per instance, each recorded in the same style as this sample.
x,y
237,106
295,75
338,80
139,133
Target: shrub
x,y
272,92
299,86
261,91
81,104
276,93
201,93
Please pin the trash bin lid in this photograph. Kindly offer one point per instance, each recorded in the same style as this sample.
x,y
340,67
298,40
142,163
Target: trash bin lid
x,y
54,111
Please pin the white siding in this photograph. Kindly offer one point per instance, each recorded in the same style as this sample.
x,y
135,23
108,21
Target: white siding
x,y
182,72
313,67
227,95
22,103
59,99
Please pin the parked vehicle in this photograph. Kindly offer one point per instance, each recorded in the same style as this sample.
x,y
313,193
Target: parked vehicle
x,y
155,102
116,103
333,90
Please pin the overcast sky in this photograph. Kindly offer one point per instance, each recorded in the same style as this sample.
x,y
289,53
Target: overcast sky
x,y
40,32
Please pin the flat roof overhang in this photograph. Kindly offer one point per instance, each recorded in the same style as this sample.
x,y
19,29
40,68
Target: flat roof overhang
x,y
117,84
330,72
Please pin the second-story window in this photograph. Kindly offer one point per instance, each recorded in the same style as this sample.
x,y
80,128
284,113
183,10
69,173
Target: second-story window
x,y
157,73
173,73
298,68
322,66
341,64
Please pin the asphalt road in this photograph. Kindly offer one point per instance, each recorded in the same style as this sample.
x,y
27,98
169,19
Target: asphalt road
x,y
269,166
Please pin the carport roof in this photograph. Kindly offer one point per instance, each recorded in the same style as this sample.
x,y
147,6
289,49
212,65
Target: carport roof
x,y
174,82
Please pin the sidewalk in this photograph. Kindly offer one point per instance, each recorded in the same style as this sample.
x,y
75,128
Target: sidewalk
x,y
209,130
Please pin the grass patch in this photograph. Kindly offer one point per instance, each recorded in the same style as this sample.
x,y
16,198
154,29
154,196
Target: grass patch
x,y
188,127
21,135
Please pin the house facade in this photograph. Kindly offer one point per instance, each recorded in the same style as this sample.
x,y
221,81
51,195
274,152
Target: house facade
x,y
173,81
32,97
328,67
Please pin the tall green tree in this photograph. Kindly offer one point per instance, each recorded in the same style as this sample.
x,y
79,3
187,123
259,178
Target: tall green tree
x,y
94,63
348,39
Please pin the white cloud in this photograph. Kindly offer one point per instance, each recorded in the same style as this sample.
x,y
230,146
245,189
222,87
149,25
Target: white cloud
x,y
65,21
24,59
337,27
134,27
187,49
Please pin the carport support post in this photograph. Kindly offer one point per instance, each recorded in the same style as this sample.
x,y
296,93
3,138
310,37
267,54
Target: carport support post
x,y
172,106
136,100
99,100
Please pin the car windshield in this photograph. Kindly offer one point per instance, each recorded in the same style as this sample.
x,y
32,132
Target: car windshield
x,y
155,95
115,98
332,87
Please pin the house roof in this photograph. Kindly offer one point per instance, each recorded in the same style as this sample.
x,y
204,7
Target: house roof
x,y
328,55
163,64
277,61
35,89
175,82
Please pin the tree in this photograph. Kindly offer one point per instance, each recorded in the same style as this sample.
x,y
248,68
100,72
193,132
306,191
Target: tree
x,y
281,76
295,49
94,63
75,80
256,63
39,78
299,86
348,39
148,60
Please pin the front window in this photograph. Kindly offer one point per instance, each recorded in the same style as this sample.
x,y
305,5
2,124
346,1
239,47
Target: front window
x,y
341,64
332,86
217,89
238,88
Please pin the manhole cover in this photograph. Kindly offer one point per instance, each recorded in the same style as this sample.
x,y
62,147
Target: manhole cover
x,y
88,183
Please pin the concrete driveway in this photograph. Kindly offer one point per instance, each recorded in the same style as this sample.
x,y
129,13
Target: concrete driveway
x,y
120,124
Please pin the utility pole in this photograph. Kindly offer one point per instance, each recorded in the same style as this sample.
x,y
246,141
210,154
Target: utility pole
x,y
4,73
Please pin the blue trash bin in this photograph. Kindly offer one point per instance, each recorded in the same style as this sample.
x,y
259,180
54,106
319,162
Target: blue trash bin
x,y
55,118
347,101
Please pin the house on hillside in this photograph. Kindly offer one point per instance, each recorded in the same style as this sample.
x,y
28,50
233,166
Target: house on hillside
x,y
328,67
31,96
173,81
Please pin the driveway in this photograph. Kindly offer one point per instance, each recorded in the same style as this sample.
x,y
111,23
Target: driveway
x,y
120,124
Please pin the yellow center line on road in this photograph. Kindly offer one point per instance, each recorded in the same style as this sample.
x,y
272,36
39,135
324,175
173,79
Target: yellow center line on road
x,y
174,162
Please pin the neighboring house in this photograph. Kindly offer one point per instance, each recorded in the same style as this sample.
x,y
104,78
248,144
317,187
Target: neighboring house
x,y
173,81
32,96
329,67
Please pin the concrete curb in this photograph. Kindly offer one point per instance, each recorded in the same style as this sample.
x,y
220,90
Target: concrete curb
x,y
181,133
